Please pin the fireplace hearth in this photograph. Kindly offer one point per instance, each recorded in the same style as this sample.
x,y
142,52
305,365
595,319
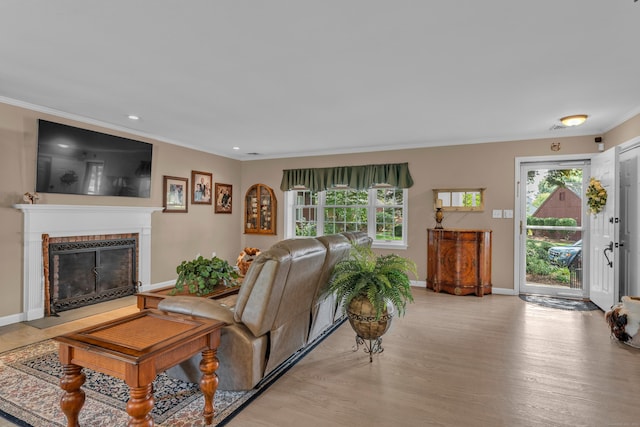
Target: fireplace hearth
x,y
87,270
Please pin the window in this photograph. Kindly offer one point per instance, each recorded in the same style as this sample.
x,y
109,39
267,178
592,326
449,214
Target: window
x,y
459,199
380,212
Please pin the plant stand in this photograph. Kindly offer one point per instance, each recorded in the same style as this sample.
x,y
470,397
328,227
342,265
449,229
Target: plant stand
x,y
372,346
367,326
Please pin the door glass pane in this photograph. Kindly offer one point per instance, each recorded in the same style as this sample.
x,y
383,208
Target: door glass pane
x,y
554,212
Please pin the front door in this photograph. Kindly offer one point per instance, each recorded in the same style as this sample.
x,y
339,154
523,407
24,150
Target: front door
x,y
603,231
552,218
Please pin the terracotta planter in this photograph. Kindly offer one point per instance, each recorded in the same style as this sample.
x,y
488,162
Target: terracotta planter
x,y
362,318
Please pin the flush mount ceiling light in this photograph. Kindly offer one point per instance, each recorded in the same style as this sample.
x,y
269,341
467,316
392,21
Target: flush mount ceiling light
x,y
575,120
133,117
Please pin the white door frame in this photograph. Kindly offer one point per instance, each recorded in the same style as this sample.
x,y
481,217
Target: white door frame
x,y
518,229
629,243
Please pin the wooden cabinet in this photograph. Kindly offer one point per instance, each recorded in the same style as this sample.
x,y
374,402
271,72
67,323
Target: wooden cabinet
x,y
459,261
260,210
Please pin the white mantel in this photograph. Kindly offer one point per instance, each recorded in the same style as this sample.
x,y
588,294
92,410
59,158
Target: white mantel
x,y
77,220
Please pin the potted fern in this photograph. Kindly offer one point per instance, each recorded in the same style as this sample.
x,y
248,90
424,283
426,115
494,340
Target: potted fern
x,y
370,288
201,275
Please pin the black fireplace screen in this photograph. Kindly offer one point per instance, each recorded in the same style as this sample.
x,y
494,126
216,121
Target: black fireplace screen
x,y
88,272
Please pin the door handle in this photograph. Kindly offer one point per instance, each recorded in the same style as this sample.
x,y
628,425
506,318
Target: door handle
x,y
609,248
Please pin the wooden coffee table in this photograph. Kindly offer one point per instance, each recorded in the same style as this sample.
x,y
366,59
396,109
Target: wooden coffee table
x,y
136,348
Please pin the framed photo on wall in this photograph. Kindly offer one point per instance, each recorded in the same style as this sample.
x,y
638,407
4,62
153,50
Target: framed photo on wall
x,y
223,198
201,188
175,194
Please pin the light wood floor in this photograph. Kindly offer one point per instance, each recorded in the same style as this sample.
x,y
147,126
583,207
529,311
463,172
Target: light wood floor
x,y
452,361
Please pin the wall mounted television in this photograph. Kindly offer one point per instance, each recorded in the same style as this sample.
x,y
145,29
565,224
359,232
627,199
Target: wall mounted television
x,y
79,161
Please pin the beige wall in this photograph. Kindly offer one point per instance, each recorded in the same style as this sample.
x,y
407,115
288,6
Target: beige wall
x,y
626,131
491,166
182,236
175,236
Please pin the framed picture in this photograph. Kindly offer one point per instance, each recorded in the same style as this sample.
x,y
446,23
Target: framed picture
x,y
201,188
175,194
223,198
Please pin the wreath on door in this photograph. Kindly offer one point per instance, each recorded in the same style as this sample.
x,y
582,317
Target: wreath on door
x,y
596,196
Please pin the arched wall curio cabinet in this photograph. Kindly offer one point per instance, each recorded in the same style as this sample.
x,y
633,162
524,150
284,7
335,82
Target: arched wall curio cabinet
x,y
260,210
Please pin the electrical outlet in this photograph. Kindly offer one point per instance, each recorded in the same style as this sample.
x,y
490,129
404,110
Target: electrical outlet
x,y
497,213
507,213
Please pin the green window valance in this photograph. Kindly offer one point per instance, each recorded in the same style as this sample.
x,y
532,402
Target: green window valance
x,y
355,177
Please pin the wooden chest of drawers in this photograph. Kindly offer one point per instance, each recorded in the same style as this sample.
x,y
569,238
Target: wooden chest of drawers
x,y
459,261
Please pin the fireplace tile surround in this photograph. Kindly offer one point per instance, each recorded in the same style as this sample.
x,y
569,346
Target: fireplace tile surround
x,y
77,220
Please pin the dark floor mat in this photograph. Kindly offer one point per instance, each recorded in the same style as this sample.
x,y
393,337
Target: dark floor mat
x,y
560,303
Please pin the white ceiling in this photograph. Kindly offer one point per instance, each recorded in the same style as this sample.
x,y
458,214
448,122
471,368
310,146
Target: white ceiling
x,y
300,77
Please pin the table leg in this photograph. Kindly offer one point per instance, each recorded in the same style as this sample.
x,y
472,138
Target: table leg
x,y
209,382
140,405
73,398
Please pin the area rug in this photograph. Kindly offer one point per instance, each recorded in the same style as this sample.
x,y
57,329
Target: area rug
x,y
30,393
559,303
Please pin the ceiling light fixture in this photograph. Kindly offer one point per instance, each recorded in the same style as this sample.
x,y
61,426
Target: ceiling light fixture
x,y
133,117
575,120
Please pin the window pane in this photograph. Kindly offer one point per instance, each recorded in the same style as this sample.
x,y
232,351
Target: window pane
x,y
305,213
346,210
389,224
306,222
306,198
389,196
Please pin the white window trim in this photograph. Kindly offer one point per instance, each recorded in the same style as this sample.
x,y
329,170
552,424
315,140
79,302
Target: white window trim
x,y
289,226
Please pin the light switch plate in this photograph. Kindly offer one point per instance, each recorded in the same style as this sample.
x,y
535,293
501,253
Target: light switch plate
x,y
497,213
507,213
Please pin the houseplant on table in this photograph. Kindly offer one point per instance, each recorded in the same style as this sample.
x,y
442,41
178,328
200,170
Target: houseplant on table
x,y
201,275
369,289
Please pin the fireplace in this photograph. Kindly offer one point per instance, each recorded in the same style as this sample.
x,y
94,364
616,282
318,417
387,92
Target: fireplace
x,y
85,270
66,221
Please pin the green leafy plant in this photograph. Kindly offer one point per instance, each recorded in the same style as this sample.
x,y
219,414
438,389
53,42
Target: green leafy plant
x,y
201,275
380,278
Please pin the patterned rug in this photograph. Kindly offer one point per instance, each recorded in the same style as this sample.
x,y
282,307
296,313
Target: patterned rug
x,y
30,393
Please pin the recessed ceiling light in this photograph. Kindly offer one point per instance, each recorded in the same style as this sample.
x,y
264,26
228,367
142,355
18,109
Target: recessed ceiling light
x,y
236,148
575,120
133,117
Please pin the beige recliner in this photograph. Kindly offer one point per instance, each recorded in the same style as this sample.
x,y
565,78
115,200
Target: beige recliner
x,y
279,310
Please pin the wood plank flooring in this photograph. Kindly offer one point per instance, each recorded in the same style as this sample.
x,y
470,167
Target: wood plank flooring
x,y
451,361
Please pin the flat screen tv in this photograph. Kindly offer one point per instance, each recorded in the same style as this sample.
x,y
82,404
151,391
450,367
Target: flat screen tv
x,y
79,161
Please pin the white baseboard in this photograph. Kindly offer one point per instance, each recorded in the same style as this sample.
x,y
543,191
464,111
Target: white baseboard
x,y
156,286
503,291
13,318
